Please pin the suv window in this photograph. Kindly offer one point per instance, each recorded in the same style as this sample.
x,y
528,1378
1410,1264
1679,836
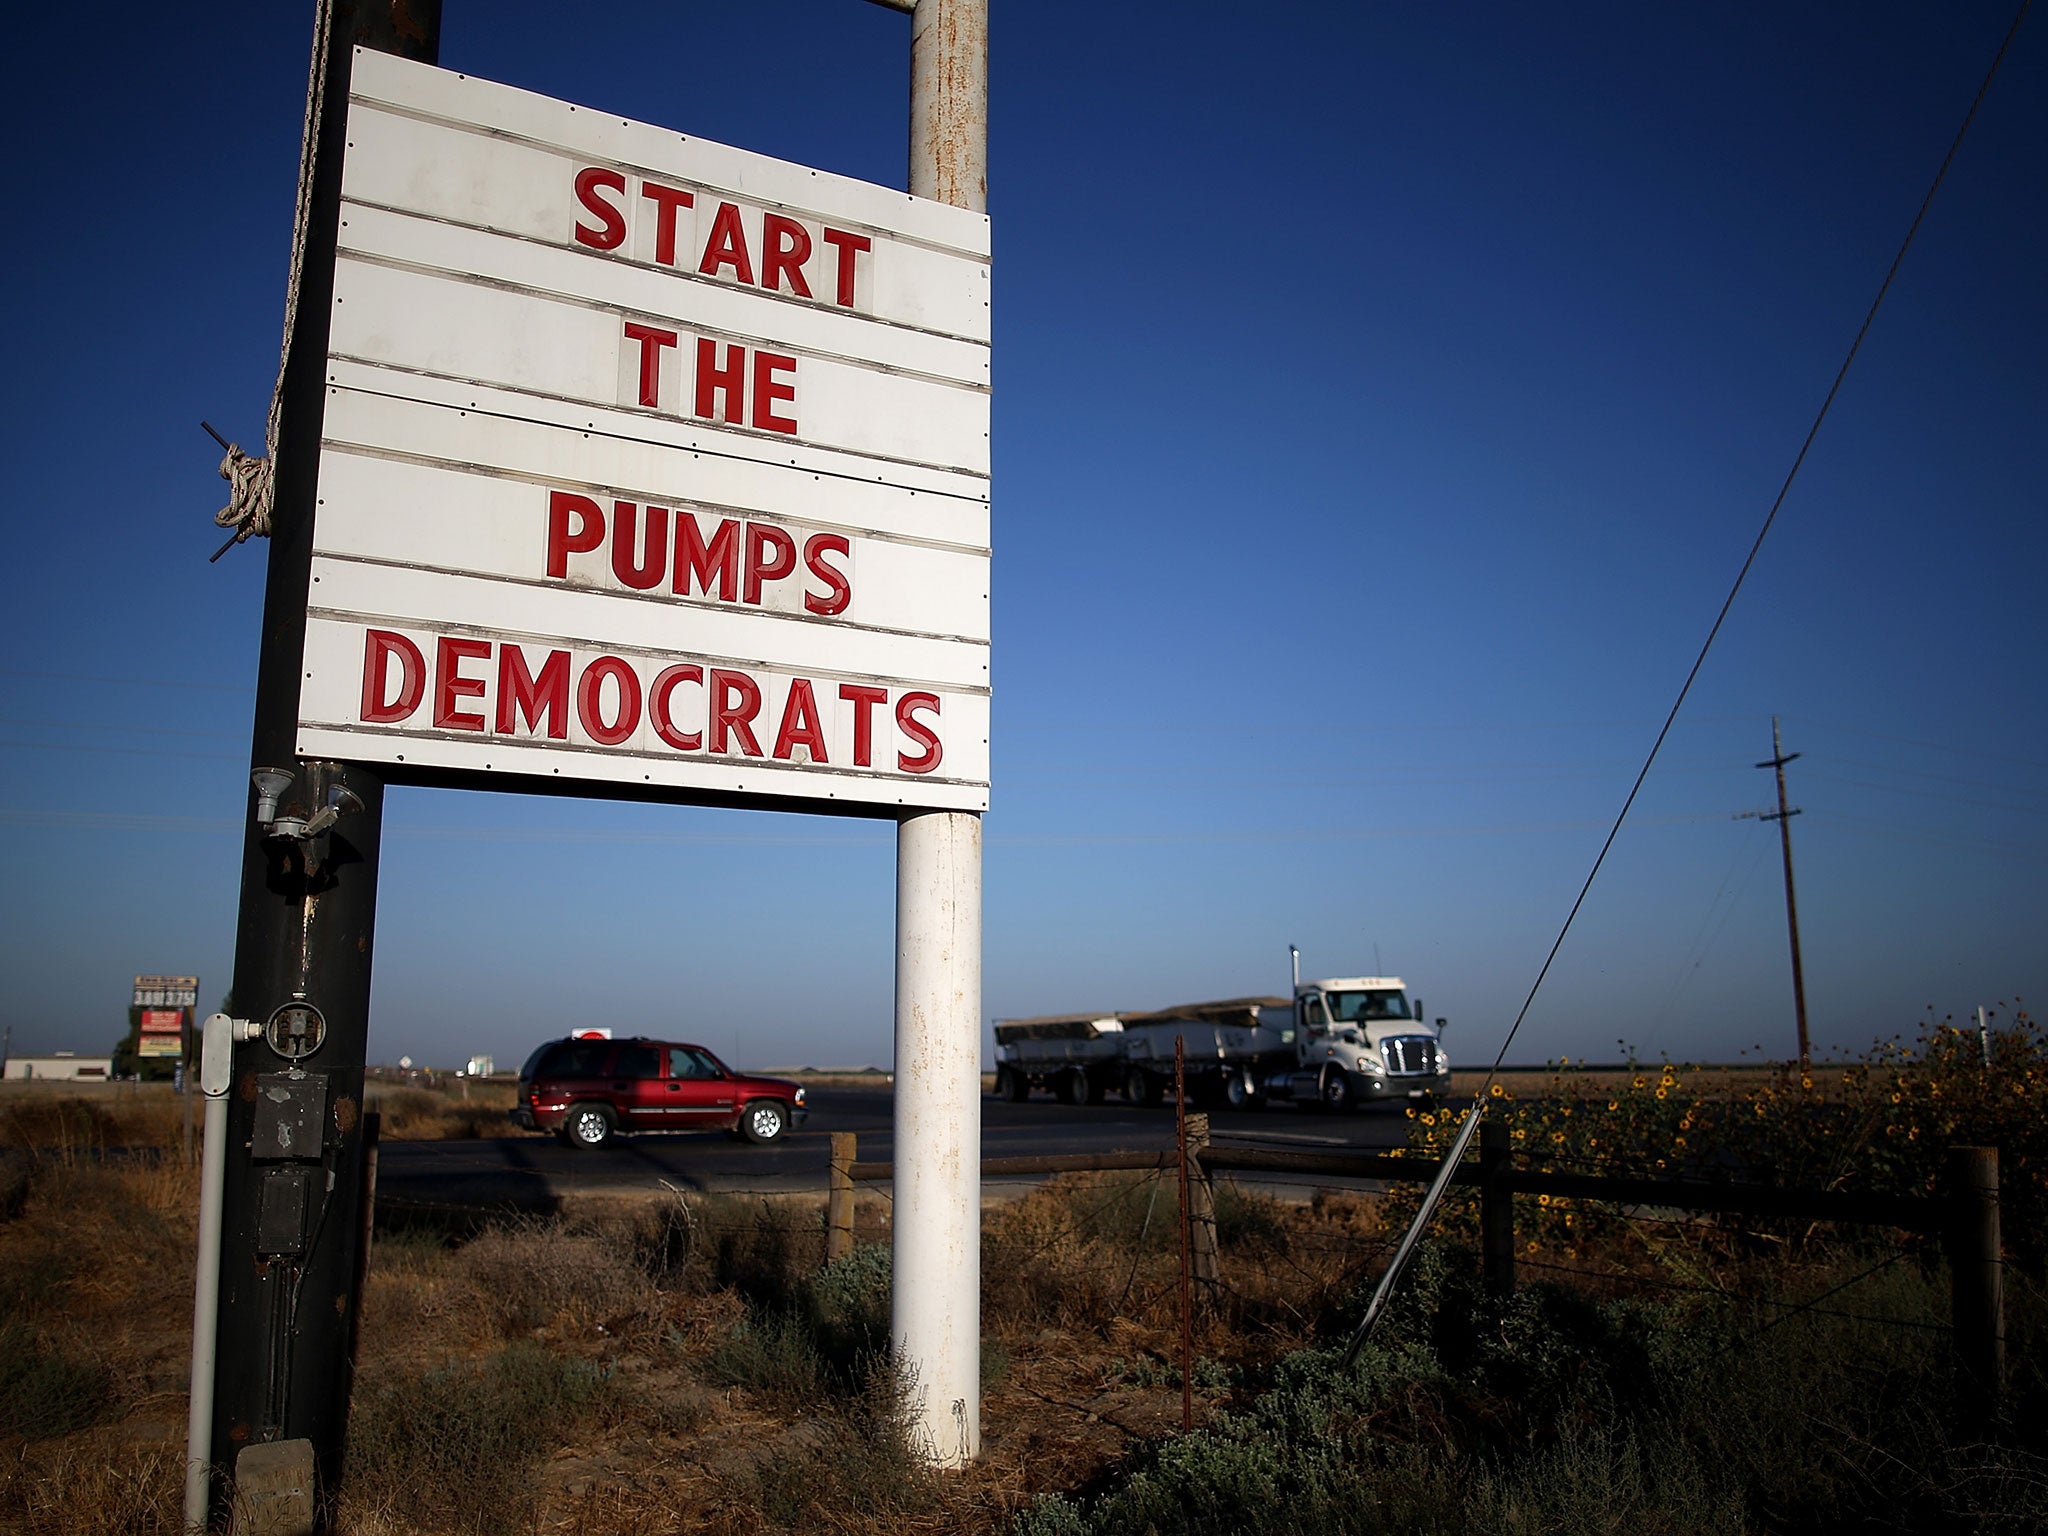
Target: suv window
x,y
638,1061
573,1058
688,1061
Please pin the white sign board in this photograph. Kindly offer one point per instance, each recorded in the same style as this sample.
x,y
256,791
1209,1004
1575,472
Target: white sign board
x,y
647,462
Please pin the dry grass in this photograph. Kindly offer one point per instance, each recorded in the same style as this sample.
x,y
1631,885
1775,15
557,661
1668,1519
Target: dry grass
x,y
459,1109
652,1368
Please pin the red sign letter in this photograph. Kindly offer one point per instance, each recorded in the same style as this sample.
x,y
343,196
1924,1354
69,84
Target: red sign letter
x,y
727,246
800,726
666,201
611,232
768,390
695,558
788,247
652,339
918,731
450,684
735,700
378,644
653,560
849,248
839,588
730,381
657,708
760,538
590,701
562,543
520,692
863,699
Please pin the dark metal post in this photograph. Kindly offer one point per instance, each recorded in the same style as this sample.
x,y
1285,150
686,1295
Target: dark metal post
x,y
306,926
1976,1281
1496,1210
1777,761
1187,1289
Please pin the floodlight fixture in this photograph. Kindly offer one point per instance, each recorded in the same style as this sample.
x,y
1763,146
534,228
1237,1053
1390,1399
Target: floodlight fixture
x,y
271,783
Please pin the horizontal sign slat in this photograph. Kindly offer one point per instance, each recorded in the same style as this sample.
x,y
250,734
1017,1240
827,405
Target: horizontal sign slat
x,y
464,697
731,475
468,601
651,546
425,322
489,182
382,79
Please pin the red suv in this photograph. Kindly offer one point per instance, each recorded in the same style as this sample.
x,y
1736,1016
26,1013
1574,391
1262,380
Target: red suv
x,y
584,1090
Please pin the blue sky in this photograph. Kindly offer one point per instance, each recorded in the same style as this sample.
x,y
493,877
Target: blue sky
x,y
1385,398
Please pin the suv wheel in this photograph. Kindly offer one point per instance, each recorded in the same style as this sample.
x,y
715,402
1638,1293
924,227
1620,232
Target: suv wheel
x,y
589,1125
763,1121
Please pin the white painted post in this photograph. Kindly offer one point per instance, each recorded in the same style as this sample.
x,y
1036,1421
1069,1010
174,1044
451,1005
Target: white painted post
x,y
936,1314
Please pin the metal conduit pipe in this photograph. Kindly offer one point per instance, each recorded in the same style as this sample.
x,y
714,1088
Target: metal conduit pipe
x,y
216,1074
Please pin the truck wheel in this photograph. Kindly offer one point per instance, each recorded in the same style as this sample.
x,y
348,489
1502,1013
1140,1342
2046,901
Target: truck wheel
x,y
763,1121
1078,1088
589,1125
1336,1090
1011,1085
1141,1087
1237,1093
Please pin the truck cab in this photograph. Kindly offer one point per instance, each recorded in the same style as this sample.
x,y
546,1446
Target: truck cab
x,y
1360,1040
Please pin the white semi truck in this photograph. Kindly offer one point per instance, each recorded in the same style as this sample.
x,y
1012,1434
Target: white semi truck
x,y
1342,1041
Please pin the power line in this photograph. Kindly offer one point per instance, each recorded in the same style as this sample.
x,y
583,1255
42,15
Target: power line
x,y
1376,1307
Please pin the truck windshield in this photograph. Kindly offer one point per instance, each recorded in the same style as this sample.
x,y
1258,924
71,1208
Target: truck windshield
x,y
1372,1003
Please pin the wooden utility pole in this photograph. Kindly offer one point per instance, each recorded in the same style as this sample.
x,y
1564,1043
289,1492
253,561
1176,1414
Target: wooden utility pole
x,y
1777,761
292,1193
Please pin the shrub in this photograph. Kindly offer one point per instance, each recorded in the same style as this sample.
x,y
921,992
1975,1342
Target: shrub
x,y
1881,1124
46,1391
530,1275
454,1445
1546,1412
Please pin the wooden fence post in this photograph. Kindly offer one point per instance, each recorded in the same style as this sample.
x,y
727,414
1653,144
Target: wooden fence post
x,y
1976,1281
1496,1210
839,1199
1202,1208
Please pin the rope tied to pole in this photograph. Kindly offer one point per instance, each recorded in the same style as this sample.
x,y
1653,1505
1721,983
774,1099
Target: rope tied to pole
x,y
250,478
249,495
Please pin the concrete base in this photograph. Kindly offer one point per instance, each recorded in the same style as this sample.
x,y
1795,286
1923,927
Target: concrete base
x,y
274,1489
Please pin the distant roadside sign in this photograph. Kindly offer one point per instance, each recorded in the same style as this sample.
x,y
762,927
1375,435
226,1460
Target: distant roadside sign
x,y
648,464
166,992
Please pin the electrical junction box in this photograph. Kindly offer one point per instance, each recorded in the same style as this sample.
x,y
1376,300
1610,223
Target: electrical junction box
x,y
291,1117
284,1208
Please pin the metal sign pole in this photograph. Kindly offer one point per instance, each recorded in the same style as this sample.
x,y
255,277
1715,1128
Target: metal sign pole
x,y
936,1323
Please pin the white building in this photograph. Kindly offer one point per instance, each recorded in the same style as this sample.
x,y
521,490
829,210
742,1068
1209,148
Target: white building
x,y
65,1066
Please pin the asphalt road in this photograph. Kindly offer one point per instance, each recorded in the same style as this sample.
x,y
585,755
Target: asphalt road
x,y
535,1172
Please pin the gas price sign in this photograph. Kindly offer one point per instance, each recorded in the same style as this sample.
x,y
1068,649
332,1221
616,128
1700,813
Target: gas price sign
x,y
647,462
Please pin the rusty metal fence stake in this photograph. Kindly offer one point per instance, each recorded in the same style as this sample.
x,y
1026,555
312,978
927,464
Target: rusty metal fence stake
x,y
1187,1288
839,1198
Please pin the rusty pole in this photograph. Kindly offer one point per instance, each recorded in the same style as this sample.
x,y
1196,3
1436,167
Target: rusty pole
x,y
1187,1268
292,1224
